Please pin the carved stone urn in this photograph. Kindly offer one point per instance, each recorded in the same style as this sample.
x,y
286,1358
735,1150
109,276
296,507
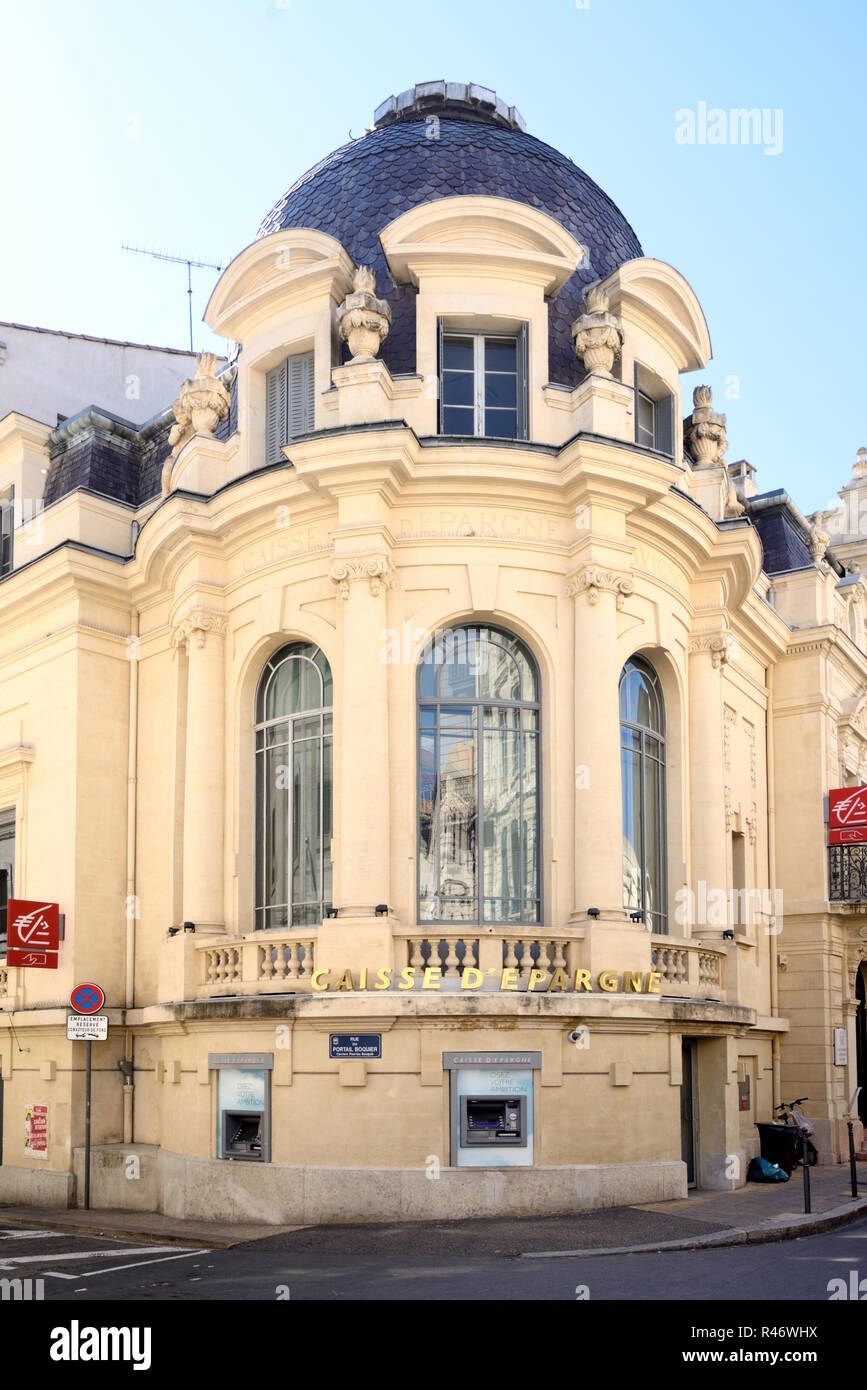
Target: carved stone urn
x,y
705,429
202,403
598,334
363,319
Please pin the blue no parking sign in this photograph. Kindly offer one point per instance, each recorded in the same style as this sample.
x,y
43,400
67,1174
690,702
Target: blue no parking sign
x,y
87,999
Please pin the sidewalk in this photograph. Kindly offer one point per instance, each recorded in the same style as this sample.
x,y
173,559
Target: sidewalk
x,y
757,1212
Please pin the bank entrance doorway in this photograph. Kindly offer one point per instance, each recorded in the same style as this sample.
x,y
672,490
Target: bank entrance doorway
x,y
689,1110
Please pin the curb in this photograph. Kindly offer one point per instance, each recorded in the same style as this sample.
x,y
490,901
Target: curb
x,y
736,1235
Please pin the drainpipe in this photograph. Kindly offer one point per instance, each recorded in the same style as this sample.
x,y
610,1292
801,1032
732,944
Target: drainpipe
x,y
131,904
772,882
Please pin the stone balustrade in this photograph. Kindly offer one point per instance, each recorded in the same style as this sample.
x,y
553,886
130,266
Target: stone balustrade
x,y
260,963
689,969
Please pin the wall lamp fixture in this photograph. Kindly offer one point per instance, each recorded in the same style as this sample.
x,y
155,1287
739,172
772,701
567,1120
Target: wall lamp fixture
x,y
331,912
593,912
381,909
189,926
173,931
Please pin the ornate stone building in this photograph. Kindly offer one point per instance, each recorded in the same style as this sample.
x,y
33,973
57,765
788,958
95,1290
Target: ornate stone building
x,y
423,729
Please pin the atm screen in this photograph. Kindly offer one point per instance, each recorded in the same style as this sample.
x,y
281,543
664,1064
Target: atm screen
x,y
493,1120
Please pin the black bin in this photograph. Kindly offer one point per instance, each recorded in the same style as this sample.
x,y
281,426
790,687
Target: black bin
x,y
778,1145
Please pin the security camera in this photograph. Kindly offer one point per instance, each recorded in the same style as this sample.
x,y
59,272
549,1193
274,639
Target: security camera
x,y
576,1035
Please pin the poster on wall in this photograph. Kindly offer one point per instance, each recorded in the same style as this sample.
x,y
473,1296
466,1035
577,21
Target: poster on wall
x,y
36,1131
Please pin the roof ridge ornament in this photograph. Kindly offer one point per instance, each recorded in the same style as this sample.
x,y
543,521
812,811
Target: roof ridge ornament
x,y
461,101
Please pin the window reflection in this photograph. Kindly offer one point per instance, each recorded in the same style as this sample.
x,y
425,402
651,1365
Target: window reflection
x,y
478,779
642,767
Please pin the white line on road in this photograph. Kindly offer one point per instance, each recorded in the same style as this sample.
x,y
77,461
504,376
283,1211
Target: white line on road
x,y
31,1235
92,1273
83,1255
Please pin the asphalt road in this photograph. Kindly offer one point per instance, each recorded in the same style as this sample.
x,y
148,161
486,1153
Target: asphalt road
x,y
77,1269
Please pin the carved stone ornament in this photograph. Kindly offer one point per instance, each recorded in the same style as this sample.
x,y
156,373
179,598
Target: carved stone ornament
x,y
859,467
598,334
199,622
819,542
203,401
377,569
722,647
590,581
363,319
704,431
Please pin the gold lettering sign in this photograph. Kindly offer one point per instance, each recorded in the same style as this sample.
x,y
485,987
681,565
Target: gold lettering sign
x,y
538,981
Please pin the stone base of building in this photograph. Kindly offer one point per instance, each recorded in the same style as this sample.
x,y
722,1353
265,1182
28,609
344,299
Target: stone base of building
x,y
206,1189
28,1187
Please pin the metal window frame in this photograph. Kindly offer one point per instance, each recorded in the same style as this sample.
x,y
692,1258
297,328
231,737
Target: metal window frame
x,y
480,704
7,534
480,337
659,918
294,652
8,820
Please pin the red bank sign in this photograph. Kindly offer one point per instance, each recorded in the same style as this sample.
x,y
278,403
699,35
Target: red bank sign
x,y
33,934
847,819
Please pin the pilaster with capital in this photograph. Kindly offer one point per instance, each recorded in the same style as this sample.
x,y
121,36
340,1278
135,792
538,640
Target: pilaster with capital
x,y
597,593
200,634
362,872
708,653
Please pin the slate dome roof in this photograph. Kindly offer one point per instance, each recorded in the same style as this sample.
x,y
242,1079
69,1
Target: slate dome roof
x,y
477,145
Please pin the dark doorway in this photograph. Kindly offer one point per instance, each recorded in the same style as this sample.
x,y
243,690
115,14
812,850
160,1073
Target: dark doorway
x,y
689,1112
861,1040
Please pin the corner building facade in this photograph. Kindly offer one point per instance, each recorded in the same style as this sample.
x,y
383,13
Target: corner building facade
x,y
423,730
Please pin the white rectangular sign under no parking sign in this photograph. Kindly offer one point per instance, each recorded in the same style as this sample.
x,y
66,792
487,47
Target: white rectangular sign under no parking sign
x,y
86,1027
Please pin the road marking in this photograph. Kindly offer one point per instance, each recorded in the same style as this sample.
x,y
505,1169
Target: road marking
x,y
83,1255
92,1273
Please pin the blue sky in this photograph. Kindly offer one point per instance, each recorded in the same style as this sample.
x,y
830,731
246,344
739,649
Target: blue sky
x,y
176,126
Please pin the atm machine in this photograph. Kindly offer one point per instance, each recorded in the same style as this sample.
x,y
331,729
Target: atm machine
x,y
491,1108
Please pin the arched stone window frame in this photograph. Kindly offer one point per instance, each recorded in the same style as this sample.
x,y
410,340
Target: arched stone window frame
x,y
294,788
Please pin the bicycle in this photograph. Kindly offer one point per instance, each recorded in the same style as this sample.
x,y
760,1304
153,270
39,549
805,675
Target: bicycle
x,y
793,1118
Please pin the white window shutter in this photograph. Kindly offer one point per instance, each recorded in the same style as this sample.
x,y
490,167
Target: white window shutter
x,y
300,394
275,413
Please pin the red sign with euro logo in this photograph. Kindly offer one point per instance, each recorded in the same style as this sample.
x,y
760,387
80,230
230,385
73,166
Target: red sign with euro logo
x,y
33,934
847,816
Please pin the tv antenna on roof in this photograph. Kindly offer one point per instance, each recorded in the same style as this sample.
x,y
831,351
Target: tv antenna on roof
x,y
188,261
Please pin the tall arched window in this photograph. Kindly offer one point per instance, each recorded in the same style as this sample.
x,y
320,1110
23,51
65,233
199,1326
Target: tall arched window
x,y
642,760
479,798
293,788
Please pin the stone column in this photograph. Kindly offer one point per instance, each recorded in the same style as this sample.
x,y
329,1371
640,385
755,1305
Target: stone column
x,y
362,882
707,656
202,634
611,941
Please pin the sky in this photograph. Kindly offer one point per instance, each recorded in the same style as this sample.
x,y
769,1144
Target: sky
x,y
175,125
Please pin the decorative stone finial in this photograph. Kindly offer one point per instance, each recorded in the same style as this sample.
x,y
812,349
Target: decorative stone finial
x,y
598,334
203,401
859,467
364,320
705,429
819,542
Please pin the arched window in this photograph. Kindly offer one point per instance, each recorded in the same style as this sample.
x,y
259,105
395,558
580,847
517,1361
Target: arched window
x,y
293,788
479,798
642,761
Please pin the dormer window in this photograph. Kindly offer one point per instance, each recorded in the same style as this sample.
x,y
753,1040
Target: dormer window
x,y
654,412
483,384
289,403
